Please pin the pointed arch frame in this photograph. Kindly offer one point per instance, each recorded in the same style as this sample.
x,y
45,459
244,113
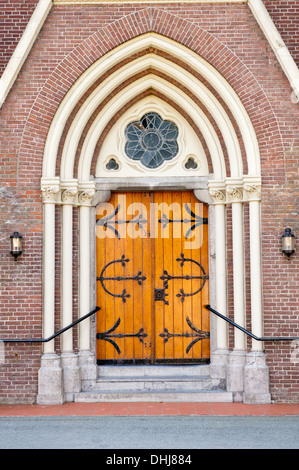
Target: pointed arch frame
x,y
97,58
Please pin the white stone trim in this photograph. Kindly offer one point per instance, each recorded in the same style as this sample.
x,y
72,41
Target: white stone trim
x,y
86,194
50,190
275,40
129,93
234,191
171,69
252,187
217,192
69,190
24,47
126,50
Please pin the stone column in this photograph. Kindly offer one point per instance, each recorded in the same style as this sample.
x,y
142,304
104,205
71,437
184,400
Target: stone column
x,y
219,359
69,360
252,188
50,389
256,372
235,370
86,357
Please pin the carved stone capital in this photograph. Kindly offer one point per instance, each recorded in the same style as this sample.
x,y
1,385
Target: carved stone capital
x,y
68,195
86,193
218,195
252,188
50,190
253,192
235,193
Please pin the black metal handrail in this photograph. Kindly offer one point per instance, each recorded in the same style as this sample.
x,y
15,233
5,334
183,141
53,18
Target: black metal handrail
x,y
257,338
45,340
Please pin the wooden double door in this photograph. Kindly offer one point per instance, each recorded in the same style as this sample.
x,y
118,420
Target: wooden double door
x,y
152,278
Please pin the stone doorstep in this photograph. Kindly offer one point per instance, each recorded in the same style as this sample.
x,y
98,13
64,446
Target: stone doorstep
x,y
153,370
179,383
171,383
171,396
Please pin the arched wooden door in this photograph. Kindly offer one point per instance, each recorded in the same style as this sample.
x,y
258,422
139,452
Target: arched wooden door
x,y
152,278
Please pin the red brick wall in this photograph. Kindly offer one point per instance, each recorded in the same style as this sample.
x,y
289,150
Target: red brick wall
x,y
228,37
14,16
285,15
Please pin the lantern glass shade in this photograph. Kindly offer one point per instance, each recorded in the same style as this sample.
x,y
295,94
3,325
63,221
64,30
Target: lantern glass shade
x,y
16,244
288,243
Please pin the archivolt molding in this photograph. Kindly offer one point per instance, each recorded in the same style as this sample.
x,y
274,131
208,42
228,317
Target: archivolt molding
x,y
137,88
176,50
157,63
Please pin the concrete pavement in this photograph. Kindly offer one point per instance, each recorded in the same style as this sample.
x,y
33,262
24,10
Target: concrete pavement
x,y
157,426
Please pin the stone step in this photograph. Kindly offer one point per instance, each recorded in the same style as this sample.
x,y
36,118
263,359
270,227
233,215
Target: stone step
x,y
158,383
207,396
155,383
153,370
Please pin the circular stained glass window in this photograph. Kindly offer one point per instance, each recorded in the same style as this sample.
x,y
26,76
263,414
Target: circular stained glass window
x,y
151,140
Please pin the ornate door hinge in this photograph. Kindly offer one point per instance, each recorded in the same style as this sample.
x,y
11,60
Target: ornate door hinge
x,y
160,293
138,277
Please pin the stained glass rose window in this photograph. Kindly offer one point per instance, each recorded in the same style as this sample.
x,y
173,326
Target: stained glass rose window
x,y
151,140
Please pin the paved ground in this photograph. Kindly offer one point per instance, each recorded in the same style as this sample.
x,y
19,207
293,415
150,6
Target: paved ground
x,y
141,428
150,432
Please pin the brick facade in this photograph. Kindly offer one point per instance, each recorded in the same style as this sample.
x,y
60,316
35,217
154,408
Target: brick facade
x,y
72,38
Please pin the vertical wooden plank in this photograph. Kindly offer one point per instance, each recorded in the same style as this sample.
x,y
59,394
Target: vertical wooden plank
x,y
105,254
188,251
136,244
196,241
146,295
205,291
177,284
111,255
168,240
122,309
158,272
101,299
130,270
142,292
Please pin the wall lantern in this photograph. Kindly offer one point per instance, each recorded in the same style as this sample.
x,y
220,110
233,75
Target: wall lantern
x,y
288,243
16,245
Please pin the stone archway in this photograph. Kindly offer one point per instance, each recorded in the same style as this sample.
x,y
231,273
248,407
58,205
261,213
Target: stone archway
x,y
72,186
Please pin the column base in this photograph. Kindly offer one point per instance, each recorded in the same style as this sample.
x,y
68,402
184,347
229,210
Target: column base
x,y
88,369
218,366
235,374
256,379
71,375
50,383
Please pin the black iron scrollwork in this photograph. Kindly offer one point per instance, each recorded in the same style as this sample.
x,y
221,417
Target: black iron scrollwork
x,y
195,220
109,223
182,294
198,335
106,335
124,295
